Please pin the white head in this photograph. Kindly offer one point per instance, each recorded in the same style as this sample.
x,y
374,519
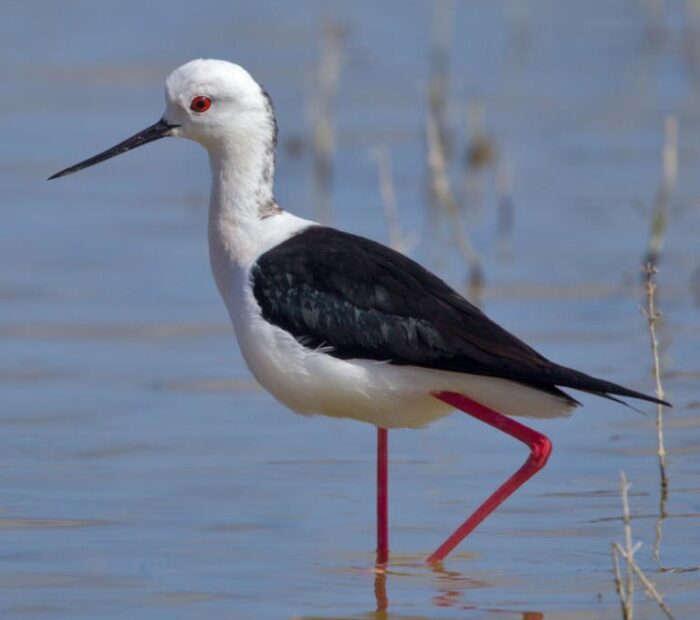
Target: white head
x,y
215,103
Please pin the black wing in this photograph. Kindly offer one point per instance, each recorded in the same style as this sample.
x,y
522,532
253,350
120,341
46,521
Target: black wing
x,y
359,299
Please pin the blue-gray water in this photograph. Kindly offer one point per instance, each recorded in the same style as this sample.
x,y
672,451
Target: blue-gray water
x,y
142,472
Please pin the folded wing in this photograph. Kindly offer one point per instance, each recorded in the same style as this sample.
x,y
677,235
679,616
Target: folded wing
x,y
359,299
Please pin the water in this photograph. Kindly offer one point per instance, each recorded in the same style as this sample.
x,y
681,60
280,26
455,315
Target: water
x,y
143,473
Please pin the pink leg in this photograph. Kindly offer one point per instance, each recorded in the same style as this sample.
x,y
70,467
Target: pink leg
x,y
382,496
540,449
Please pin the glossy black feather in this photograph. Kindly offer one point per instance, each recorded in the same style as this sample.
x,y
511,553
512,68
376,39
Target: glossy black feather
x,y
359,299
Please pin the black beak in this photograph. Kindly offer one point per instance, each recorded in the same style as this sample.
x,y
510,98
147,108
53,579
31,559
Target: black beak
x,y
159,130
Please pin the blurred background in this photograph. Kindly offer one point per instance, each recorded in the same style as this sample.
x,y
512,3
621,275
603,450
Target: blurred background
x,y
535,154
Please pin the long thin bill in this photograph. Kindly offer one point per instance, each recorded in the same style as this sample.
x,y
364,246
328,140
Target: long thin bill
x,y
159,130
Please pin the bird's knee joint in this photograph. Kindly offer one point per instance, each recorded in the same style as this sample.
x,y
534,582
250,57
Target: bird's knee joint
x,y
540,449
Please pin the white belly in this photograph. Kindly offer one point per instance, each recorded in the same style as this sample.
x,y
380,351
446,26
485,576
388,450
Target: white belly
x,y
388,396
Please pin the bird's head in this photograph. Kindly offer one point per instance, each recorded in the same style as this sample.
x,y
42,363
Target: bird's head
x,y
214,102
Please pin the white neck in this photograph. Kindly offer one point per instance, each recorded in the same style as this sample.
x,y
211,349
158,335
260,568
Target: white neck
x,y
242,178
244,219
241,201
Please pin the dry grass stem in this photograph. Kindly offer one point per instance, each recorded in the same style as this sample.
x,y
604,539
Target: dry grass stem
x,y
479,156
649,587
438,143
656,32
481,150
621,592
442,193
519,18
659,216
658,528
625,587
629,580
323,121
652,315
506,210
443,20
387,189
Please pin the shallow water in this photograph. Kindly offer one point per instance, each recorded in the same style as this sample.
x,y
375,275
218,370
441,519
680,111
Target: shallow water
x,y
144,474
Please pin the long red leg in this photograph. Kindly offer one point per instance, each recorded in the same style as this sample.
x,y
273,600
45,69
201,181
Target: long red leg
x,y
540,449
382,496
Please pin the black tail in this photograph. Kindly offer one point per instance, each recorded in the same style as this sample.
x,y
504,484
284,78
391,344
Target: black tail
x,y
570,378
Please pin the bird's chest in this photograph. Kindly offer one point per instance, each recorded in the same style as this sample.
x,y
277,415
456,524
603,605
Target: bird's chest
x,y
310,381
275,357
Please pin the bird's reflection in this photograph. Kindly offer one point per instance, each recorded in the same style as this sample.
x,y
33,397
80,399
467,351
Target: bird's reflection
x,y
450,587
380,592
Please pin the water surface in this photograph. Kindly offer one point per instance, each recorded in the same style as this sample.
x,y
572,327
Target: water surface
x,y
143,473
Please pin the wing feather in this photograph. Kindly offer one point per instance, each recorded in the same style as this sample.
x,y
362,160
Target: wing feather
x,y
359,299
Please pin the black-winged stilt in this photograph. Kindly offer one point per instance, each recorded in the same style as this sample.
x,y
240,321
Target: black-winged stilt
x,y
334,324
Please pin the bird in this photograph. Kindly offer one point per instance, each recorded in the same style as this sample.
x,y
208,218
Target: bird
x,y
335,324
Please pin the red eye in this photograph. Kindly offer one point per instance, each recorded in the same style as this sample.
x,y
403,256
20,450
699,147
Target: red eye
x,y
200,103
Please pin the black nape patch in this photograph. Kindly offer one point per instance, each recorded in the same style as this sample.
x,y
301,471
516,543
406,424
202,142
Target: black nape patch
x,y
269,208
271,110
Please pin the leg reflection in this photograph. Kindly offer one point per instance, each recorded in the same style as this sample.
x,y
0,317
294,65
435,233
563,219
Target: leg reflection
x,y
451,588
380,593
